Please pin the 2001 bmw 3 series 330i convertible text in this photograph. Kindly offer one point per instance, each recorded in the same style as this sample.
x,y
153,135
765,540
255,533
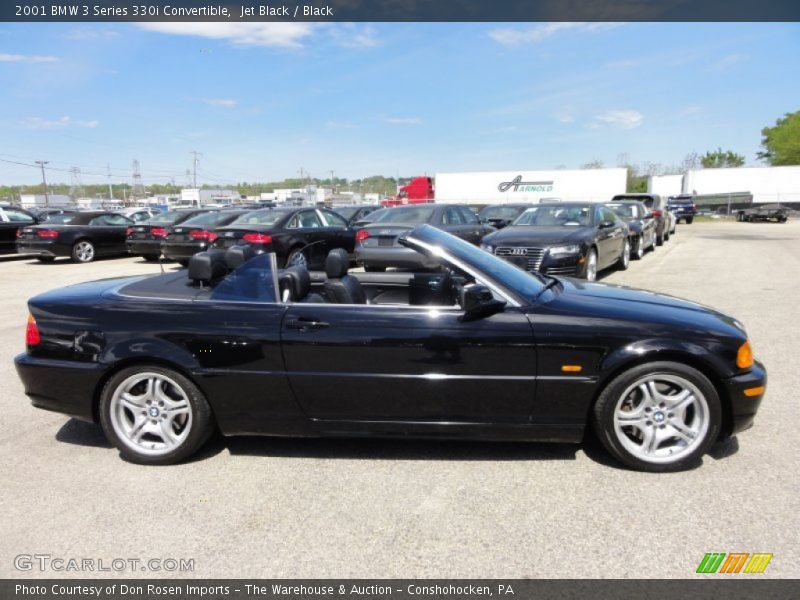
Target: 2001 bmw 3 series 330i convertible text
x,y
474,348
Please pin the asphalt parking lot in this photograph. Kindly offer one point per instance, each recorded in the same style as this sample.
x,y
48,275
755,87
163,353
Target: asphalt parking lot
x,y
258,507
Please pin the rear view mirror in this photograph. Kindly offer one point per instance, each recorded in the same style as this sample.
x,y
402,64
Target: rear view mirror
x,y
478,302
606,224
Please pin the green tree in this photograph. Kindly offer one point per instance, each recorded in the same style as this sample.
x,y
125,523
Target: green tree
x,y
719,159
782,143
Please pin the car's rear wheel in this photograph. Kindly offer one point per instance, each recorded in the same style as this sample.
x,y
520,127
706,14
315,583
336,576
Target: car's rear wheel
x,y
689,220
590,265
638,248
297,258
625,258
151,257
154,415
83,251
659,417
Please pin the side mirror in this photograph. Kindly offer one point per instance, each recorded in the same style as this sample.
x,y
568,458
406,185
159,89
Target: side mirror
x,y
478,302
606,224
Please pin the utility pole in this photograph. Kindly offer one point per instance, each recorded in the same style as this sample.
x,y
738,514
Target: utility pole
x,y
110,190
333,185
301,175
195,159
42,163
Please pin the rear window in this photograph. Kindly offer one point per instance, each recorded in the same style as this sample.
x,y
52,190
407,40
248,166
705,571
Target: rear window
x,y
203,220
63,219
167,218
268,216
406,214
626,211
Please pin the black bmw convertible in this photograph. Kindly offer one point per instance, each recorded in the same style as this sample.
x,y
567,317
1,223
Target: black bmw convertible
x,y
479,349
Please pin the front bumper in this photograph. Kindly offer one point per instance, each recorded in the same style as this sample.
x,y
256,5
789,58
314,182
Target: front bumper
x,y
144,247
62,386
744,407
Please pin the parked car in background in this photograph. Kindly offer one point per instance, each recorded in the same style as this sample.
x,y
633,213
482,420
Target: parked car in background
x,y
12,220
80,236
566,238
768,212
665,222
144,239
355,213
683,207
500,215
43,214
194,235
297,235
641,225
378,245
480,350
140,214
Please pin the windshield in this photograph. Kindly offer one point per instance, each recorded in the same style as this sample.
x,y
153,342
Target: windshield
x,y
501,212
626,211
167,218
406,214
562,215
267,216
515,280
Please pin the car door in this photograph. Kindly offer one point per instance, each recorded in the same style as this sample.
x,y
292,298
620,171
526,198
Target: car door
x,y
341,235
107,233
402,364
453,222
609,236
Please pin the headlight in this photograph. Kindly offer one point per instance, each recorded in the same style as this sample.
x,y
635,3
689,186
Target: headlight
x,y
571,249
488,248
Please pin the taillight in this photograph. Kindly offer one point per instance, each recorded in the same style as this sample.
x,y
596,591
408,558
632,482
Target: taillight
x,y
257,238
129,231
19,232
48,234
158,232
656,214
361,235
200,234
32,337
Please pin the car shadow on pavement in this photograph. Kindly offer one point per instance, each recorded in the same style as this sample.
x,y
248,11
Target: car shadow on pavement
x,y
81,433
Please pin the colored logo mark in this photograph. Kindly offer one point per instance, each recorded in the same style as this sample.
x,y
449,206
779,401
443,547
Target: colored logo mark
x,y
734,562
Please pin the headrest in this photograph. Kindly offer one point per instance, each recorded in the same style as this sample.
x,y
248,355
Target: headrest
x,y
236,256
337,263
207,266
299,281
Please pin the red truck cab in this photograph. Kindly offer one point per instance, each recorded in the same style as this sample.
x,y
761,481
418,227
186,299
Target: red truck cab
x,y
418,191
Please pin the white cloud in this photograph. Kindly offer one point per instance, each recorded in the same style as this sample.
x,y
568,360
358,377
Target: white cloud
x,y
349,35
626,119
404,120
730,60
534,35
91,33
224,102
62,123
27,58
565,117
276,35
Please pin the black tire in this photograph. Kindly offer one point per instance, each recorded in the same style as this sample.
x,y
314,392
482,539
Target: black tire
x,y
637,248
202,424
370,269
623,263
184,262
660,238
151,257
606,405
689,220
83,251
46,259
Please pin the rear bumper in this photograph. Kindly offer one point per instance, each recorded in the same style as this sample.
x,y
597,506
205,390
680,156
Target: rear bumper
x,y
142,247
62,386
392,256
182,250
743,407
43,248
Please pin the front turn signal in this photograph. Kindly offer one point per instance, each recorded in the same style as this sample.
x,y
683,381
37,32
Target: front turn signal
x,y
744,357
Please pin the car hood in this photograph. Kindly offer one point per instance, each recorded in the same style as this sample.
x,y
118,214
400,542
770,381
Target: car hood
x,y
532,235
644,305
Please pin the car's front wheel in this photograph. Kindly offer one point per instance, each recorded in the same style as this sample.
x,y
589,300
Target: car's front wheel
x,y
154,415
659,416
625,257
83,251
689,220
590,265
638,248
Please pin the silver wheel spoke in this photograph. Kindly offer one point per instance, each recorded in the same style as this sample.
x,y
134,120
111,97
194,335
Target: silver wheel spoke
x,y
167,433
681,401
684,432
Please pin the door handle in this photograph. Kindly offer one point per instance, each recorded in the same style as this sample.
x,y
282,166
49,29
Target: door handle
x,y
306,324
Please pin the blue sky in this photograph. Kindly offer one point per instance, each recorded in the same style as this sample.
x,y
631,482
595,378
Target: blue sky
x,y
262,100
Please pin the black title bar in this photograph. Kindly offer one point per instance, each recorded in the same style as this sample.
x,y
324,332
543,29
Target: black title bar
x,y
399,10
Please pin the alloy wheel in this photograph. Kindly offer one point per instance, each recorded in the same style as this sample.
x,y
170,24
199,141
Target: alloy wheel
x,y
151,413
626,254
591,266
639,248
298,258
84,251
661,418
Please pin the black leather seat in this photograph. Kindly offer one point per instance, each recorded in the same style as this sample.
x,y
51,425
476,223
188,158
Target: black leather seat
x,y
236,256
207,267
295,284
340,287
